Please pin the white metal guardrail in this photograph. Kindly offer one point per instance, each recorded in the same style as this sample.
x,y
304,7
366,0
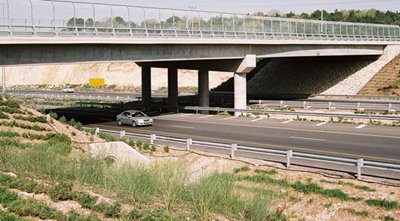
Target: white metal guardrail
x,y
72,96
296,113
43,18
343,105
356,166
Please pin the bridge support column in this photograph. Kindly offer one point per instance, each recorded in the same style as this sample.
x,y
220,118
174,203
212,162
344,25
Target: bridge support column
x,y
146,87
240,82
204,91
240,92
172,89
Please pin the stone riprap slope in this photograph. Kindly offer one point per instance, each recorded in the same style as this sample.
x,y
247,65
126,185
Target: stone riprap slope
x,y
386,81
122,75
303,76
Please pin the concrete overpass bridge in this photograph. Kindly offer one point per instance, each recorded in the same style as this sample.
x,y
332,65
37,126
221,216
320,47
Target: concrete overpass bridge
x,y
174,39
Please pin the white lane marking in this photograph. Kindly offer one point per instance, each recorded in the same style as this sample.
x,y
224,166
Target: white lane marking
x,y
292,129
361,126
320,124
307,138
185,115
255,120
286,122
184,127
229,118
207,116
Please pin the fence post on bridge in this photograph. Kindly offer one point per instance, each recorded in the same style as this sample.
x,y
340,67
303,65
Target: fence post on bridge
x,y
122,134
189,142
233,149
153,137
289,155
360,164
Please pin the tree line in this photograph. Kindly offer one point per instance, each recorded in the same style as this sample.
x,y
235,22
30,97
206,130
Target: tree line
x,y
362,16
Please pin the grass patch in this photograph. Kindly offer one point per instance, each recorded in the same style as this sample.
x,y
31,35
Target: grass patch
x,y
11,110
6,216
314,188
266,180
386,204
22,125
8,133
27,207
34,119
266,172
9,103
363,213
241,169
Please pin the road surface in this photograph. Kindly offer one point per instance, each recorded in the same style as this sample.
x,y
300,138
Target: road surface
x,y
355,141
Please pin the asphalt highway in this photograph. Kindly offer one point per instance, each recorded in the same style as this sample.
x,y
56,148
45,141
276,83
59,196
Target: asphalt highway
x,y
355,141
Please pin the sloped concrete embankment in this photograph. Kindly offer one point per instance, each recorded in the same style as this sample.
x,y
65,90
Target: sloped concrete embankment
x,y
120,152
374,77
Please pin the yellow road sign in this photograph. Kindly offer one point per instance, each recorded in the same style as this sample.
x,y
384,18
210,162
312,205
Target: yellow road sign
x,y
96,82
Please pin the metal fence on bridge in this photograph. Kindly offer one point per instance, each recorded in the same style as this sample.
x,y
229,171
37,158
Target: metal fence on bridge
x,y
85,19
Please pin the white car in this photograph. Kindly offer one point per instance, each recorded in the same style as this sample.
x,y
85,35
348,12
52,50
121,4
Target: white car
x,y
134,118
68,90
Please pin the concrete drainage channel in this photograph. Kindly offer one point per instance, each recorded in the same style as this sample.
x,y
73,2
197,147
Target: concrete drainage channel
x,y
358,167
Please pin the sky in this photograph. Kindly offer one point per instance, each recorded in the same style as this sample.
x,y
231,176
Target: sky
x,y
20,8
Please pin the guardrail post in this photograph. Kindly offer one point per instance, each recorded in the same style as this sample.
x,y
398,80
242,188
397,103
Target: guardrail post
x,y
281,104
233,149
358,106
122,134
189,143
360,164
153,137
259,102
304,104
329,105
96,131
390,107
289,155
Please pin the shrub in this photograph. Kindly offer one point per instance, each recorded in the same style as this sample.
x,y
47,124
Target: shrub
x,y
40,119
133,215
53,115
61,192
21,125
146,146
73,133
112,210
153,148
85,200
166,149
107,137
3,115
73,216
63,119
157,216
6,216
31,207
59,138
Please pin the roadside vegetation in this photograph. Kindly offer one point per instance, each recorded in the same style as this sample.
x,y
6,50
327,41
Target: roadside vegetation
x,y
45,163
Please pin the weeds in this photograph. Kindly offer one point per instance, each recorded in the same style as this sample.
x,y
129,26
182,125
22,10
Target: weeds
x,y
314,188
9,134
3,115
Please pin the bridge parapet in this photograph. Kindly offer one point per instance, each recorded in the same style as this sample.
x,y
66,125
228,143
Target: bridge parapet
x,y
48,18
